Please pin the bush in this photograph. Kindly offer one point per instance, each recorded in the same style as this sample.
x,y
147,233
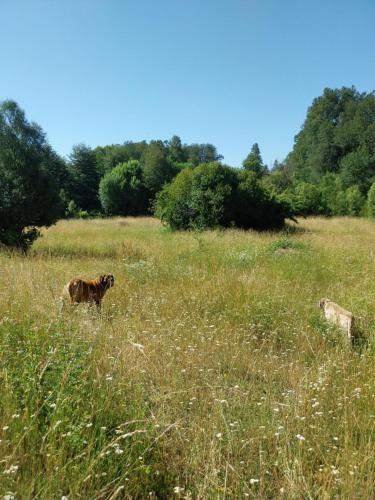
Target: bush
x,y
308,199
355,201
122,191
214,195
371,201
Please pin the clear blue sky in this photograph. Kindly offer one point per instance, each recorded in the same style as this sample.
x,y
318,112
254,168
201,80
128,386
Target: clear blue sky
x,y
230,72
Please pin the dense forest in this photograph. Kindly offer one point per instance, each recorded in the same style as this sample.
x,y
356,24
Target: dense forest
x,y
330,171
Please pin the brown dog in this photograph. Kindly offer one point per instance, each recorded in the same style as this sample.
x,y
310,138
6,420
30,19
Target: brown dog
x,y
91,291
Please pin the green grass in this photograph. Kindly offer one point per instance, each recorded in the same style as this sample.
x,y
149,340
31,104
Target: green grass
x,y
209,374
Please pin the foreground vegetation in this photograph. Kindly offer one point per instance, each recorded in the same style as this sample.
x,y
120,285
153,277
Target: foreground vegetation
x,y
209,374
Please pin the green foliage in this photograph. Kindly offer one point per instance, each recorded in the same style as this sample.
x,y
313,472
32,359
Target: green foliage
x,y
84,178
71,210
279,179
196,154
338,136
214,195
254,162
358,167
308,199
256,207
157,171
176,153
108,157
173,203
355,201
122,191
211,195
30,172
371,201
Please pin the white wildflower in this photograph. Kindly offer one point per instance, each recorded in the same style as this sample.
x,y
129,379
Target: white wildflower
x,y
12,470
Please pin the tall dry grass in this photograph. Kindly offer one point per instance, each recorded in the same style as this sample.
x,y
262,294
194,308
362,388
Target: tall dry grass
x,y
209,374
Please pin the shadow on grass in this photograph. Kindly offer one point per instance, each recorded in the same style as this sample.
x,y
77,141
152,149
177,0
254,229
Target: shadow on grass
x,y
359,341
334,336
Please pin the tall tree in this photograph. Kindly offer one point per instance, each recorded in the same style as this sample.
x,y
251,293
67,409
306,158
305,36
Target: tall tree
x,y
253,162
84,177
197,154
176,154
30,172
157,171
122,191
338,136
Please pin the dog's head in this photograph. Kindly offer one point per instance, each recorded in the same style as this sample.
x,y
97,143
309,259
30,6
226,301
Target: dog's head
x,y
322,303
107,280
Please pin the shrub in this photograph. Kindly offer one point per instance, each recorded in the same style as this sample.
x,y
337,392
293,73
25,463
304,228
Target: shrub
x,y
371,201
354,200
173,204
122,192
214,195
308,199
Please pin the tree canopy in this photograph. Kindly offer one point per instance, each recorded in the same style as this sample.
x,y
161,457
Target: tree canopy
x,y
253,162
84,177
338,136
122,191
31,175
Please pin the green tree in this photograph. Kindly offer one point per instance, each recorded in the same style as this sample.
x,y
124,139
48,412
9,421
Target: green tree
x,y
371,201
333,196
308,199
30,172
337,137
257,207
358,167
173,202
354,201
196,154
176,153
108,157
253,162
84,178
157,171
122,191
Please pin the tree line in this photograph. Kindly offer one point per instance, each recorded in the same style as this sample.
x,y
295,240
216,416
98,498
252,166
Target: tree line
x,y
330,171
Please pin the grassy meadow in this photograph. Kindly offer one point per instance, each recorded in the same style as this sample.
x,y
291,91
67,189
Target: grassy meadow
x,y
209,374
